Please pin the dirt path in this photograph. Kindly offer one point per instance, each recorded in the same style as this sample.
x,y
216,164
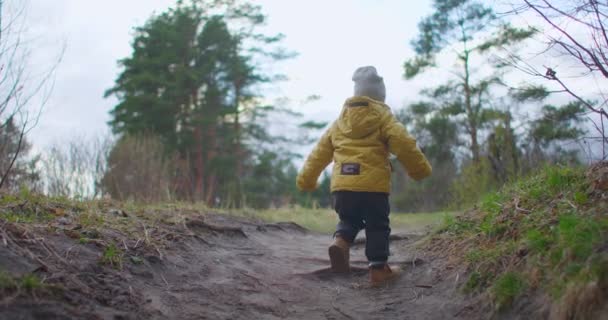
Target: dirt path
x,y
247,270
279,272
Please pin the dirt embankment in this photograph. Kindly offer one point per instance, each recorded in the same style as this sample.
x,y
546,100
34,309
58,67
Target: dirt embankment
x,y
208,267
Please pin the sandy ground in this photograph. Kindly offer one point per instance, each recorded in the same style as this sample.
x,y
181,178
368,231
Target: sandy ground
x,y
237,269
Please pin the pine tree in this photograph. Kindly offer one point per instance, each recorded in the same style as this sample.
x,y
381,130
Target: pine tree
x,y
471,30
194,80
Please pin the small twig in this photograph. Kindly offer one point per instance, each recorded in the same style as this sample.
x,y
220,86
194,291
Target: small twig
x,y
52,252
5,236
146,235
160,254
520,209
68,251
571,204
165,280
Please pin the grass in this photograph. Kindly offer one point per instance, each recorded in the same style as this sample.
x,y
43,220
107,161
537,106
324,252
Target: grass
x,y
325,220
506,288
112,256
542,233
28,283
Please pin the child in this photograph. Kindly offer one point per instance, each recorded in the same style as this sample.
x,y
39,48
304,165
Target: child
x,y
359,143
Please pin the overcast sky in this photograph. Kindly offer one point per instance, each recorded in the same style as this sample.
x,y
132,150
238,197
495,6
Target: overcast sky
x,y
332,39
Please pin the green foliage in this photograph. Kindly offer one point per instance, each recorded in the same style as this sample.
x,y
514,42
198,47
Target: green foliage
x,y
557,124
530,93
474,181
578,236
416,66
537,241
193,80
543,230
325,220
505,36
476,281
25,207
112,256
455,225
6,281
313,125
506,289
30,283
437,136
471,31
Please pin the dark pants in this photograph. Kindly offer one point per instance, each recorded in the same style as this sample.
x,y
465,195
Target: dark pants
x,y
369,211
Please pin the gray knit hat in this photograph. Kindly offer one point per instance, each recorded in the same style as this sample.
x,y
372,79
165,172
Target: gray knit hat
x,y
369,83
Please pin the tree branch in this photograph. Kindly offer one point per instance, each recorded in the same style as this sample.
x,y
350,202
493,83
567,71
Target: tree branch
x,y
567,35
12,163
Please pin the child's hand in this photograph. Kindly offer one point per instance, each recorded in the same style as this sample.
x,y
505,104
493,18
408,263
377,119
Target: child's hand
x,y
304,185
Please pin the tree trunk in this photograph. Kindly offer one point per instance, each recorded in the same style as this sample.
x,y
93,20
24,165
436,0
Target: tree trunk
x,y
238,150
199,171
211,154
471,115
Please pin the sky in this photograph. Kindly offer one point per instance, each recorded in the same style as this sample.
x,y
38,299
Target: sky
x,y
332,39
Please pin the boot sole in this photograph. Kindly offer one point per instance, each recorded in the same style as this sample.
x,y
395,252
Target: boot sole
x,y
338,260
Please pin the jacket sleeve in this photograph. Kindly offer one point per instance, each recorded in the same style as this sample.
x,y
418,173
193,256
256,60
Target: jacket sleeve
x,y
403,145
319,158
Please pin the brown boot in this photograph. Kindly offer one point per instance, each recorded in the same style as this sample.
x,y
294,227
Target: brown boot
x,y
380,276
339,255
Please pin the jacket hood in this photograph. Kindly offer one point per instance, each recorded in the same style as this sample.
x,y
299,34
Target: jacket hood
x,y
361,116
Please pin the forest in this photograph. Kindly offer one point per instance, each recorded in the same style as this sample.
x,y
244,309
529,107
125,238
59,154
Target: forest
x,y
192,123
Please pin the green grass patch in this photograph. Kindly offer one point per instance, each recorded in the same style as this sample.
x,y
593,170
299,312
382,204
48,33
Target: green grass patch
x,y
112,256
325,220
544,228
28,283
506,288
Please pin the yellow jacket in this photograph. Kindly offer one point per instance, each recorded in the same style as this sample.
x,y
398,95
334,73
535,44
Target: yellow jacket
x,y
359,143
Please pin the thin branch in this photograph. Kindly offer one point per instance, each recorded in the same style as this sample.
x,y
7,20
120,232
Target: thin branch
x,y
567,35
12,163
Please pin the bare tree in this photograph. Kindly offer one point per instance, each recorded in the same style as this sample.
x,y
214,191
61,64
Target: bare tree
x,y
76,168
576,31
23,92
141,169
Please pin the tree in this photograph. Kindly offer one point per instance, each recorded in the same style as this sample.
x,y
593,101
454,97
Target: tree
x,y
577,33
17,171
471,30
22,97
551,129
194,80
75,168
438,136
140,169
